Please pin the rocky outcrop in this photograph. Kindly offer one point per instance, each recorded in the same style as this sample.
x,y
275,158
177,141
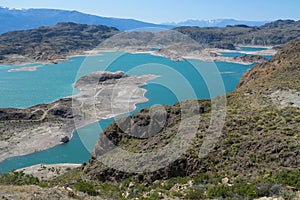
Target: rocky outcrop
x,y
169,54
65,139
250,59
229,46
99,77
145,128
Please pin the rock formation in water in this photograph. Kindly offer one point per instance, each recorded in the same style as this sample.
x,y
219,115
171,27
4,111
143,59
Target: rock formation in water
x,y
250,59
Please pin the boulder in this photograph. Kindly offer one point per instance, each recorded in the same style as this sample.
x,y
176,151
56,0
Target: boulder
x,y
65,139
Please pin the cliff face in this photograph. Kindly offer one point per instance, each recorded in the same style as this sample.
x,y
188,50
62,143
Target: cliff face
x,y
52,42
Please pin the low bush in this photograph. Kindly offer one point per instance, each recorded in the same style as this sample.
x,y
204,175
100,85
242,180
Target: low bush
x,y
86,187
18,178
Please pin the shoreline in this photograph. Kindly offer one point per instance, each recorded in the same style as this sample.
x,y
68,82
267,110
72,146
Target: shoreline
x,y
203,57
80,125
21,146
28,61
255,46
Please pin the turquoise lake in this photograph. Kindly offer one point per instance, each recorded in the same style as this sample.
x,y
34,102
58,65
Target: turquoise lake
x,y
51,82
253,48
245,49
235,54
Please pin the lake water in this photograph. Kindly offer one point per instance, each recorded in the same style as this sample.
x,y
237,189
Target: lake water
x,y
245,49
235,54
253,48
232,54
178,81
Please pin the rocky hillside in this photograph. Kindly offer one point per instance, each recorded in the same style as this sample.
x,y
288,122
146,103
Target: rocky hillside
x,y
274,33
275,82
285,61
52,42
258,153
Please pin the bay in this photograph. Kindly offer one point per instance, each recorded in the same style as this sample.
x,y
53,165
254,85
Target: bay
x,y
178,81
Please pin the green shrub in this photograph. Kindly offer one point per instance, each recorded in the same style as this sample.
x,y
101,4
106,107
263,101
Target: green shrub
x,y
202,178
288,194
197,193
155,196
246,190
171,182
18,178
176,193
111,190
216,191
86,187
289,177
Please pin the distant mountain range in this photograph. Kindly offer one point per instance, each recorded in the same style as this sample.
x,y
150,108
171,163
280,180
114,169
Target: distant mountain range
x,y
24,19
217,23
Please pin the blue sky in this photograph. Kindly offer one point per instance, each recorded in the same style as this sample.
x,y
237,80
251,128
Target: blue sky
x,y
172,10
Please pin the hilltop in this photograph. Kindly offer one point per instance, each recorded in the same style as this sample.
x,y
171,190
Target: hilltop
x,y
51,43
273,33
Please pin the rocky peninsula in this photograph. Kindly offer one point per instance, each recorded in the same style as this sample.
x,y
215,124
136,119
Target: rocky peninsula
x,y
102,95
